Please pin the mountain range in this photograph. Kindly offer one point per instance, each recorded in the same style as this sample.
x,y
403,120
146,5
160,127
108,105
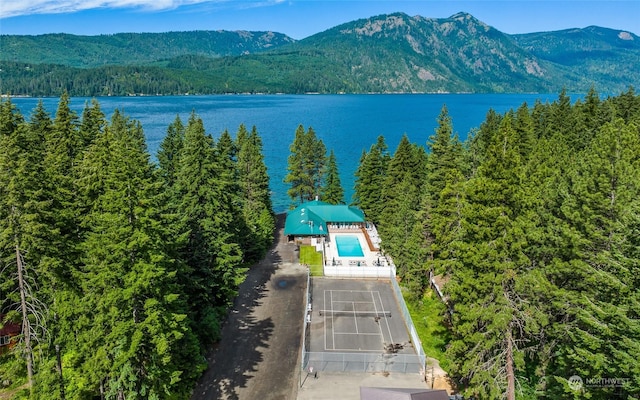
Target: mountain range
x,y
391,53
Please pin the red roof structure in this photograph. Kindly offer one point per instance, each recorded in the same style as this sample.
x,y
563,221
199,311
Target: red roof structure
x,y
8,330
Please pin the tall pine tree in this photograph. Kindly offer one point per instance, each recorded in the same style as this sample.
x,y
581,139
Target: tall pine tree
x,y
209,251
370,177
600,330
256,196
493,320
23,230
131,345
170,150
305,165
332,191
401,195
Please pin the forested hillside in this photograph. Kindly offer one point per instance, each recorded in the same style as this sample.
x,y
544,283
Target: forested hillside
x,y
533,225
134,48
393,53
120,271
597,53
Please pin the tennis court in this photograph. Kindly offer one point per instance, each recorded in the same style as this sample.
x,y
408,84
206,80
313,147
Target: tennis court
x,y
356,325
355,320
355,316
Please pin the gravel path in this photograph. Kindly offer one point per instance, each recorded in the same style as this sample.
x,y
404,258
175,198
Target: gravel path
x,y
258,355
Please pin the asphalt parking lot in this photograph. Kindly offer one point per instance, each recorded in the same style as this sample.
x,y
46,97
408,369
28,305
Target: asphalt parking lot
x,y
258,354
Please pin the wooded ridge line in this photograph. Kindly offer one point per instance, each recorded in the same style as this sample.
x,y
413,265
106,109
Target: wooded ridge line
x,y
391,53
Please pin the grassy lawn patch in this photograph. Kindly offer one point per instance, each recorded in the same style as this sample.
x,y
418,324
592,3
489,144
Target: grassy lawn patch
x,y
13,370
20,392
309,256
427,315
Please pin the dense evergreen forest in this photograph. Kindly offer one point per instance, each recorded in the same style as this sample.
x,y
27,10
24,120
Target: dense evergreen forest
x,y
534,225
291,72
120,270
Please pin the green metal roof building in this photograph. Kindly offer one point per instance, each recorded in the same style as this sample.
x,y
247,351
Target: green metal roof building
x,y
311,218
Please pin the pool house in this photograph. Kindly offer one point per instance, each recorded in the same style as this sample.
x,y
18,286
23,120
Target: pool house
x,y
350,245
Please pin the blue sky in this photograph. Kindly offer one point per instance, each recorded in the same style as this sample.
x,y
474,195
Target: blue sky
x,y
299,18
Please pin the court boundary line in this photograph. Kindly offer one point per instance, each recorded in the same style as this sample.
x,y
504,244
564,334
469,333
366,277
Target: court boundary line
x,y
376,308
380,315
385,321
355,317
351,291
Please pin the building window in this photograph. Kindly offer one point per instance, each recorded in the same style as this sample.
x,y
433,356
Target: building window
x,y
5,340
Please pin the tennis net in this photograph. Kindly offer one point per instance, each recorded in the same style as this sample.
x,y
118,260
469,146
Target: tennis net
x,y
338,313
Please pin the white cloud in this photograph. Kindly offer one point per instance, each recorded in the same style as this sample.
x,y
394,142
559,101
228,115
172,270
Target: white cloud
x,y
13,8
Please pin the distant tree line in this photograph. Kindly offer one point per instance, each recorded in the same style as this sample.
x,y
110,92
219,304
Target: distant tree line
x,y
120,270
183,75
533,222
40,80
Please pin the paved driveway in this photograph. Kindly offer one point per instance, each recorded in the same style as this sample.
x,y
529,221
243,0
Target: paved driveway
x,y
258,355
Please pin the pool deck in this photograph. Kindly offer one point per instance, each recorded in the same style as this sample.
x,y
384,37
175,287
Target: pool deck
x,y
373,263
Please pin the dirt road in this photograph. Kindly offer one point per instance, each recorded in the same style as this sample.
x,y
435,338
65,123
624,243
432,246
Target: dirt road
x,y
258,355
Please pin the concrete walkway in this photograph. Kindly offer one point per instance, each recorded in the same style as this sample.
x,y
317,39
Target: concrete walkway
x,y
343,386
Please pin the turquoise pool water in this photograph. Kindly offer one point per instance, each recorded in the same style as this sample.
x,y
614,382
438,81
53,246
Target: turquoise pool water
x,y
349,246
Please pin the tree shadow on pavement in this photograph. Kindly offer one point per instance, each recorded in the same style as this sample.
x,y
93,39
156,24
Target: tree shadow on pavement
x,y
234,359
227,378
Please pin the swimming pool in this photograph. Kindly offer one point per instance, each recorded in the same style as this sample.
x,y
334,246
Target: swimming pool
x,y
349,246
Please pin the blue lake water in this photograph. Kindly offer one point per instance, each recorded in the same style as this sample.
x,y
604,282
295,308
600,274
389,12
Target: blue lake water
x,y
348,124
